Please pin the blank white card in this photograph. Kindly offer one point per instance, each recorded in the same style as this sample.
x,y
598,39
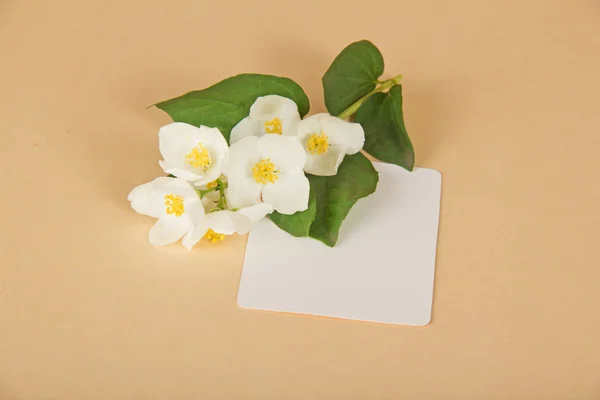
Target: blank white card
x,y
381,269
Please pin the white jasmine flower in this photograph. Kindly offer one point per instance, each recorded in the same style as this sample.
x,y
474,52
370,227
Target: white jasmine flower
x,y
176,205
268,115
218,224
326,140
268,169
181,214
195,154
211,199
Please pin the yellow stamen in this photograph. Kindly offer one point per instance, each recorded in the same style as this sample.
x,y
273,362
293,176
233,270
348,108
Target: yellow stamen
x,y
318,144
274,126
199,157
211,185
264,171
174,204
214,236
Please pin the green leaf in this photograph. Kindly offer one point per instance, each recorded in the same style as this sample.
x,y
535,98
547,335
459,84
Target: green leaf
x,y
353,74
226,103
386,138
297,224
335,195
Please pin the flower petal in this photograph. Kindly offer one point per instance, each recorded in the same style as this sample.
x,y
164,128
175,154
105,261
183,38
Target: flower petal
x,y
214,141
175,140
285,152
309,126
246,127
228,222
242,156
168,230
257,212
180,172
198,229
210,200
218,149
242,189
266,108
148,199
289,193
167,185
146,202
348,135
290,117
325,164
210,175
243,192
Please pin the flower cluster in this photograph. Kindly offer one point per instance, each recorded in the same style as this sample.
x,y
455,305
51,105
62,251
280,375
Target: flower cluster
x,y
214,190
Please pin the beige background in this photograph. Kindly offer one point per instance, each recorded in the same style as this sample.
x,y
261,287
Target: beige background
x,y
501,96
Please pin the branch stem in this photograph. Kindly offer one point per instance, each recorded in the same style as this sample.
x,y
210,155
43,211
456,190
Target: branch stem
x,y
222,200
383,86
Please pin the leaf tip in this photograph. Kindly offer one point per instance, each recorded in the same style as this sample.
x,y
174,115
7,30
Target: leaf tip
x,y
329,242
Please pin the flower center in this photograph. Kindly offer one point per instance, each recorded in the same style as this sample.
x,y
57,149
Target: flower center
x,y
174,204
274,126
318,143
211,185
199,157
264,171
214,236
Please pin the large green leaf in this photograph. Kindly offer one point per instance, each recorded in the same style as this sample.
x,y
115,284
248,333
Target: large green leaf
x,y
297,224
226,103
353,74
386,138
356,178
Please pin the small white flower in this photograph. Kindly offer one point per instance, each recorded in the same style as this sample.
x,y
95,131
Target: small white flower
x,y
176,205
269,114
218,224
326,140
181,214
268,169
195,154
210,199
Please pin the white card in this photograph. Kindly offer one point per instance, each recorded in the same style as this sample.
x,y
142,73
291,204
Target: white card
x,y
381,269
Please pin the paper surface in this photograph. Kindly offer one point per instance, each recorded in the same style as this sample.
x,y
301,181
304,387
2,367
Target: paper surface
x,y
381,270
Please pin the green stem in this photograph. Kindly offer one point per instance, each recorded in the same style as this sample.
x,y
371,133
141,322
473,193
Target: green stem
x,y
203,193
383,86
222,200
